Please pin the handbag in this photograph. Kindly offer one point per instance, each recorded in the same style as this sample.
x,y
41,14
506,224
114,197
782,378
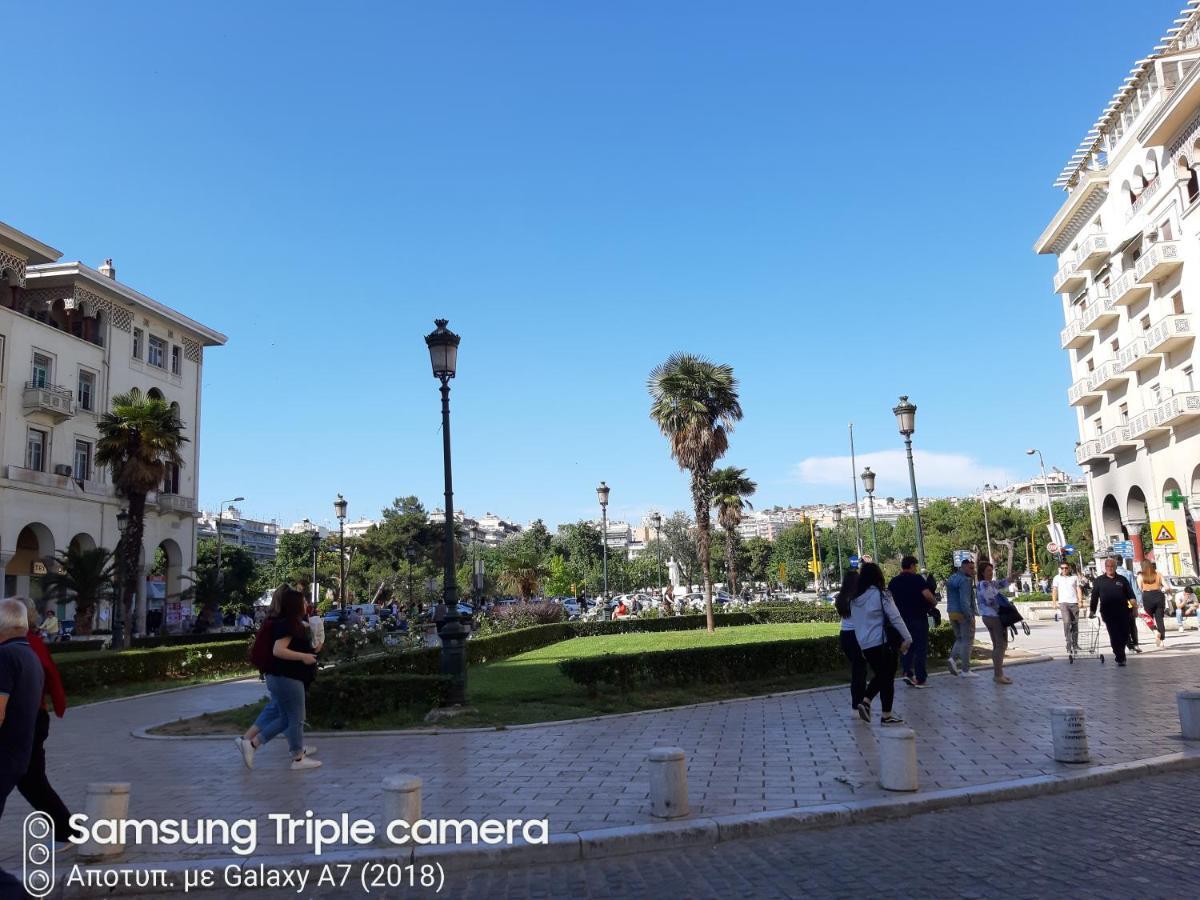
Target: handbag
x,y
891,636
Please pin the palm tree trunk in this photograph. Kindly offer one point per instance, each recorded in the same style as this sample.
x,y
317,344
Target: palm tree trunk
x,y
730,562
700,498
131,556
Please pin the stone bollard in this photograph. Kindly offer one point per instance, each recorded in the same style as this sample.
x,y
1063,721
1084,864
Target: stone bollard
x,y
401,799
898,759
104,800
1070,734
668,783
1189,714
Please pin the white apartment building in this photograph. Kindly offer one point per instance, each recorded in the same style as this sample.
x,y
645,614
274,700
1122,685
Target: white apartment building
x,y
1122,238
258,536
1030,495
71,337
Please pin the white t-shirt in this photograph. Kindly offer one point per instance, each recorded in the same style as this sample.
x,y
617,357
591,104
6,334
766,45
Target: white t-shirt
x,y
1067,586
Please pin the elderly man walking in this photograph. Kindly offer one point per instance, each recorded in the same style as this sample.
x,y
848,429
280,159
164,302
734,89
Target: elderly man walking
x,y
21,684
962,608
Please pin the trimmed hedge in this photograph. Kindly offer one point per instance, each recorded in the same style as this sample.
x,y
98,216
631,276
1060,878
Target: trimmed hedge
x,y
76,645
337,698
796,612
665,623
1035,597
520,640
723,664
89,671
179,640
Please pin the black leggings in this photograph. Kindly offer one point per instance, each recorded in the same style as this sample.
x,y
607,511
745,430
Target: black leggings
x,y
858,666
882,661
1155,603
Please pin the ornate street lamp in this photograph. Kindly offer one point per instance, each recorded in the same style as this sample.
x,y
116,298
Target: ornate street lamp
x,y
906,420
314,538
868,480
837,529
1049,505
339,509
602,496
656,521
443,355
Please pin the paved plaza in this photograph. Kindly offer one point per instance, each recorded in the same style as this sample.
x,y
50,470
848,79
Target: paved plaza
x,y
743,756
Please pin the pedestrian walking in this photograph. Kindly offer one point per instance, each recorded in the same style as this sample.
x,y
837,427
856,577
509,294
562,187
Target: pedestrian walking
x,y
1154,600
21,685
292,669
962,608
1131,642
34,785
1113,593
1067,592
910,590
872,611
848,642
990,592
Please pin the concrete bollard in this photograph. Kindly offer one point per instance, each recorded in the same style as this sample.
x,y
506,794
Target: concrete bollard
x,y
898,759
1070,734
104,800
668,783
401,799
1189,714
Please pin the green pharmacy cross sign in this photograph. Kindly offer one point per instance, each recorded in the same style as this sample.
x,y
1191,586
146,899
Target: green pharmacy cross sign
x,y
1175,498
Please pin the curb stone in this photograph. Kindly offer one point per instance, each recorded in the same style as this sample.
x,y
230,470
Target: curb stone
x,y
607,842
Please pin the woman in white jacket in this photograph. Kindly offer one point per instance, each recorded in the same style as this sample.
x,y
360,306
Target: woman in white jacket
x,y
867,612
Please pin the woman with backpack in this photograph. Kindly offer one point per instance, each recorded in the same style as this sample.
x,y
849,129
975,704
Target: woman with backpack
x,y
990,594
881,633
854,655
291,668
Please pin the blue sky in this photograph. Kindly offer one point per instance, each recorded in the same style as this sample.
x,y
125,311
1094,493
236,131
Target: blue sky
x,y
837,200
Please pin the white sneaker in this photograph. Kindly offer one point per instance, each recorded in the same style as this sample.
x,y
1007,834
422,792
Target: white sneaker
x,y
247,750
310,750
305,762
969,674
953,663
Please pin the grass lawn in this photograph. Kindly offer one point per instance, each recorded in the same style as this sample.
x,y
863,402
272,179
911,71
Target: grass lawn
x,y
530,688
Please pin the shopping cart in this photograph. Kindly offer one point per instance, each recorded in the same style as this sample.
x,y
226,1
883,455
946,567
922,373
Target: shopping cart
x,y
1089,640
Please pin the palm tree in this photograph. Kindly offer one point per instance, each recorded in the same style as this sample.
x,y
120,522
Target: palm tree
x,y
140,439
85,576
730,488
522,571
695,404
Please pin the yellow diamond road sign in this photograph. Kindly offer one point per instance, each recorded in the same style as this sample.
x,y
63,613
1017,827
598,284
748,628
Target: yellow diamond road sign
x,y
1163,532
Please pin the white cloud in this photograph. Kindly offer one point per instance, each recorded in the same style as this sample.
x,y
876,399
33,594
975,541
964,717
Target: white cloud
x,y
937,473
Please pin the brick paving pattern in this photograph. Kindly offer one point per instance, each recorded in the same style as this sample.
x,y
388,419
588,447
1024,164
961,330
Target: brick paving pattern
x,y
744,756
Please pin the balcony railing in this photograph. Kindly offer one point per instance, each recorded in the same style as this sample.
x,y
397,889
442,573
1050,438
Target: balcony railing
x,y
1075,335
1068,278
1136,356
48,399
1170,333
1092,252
1145,197
1089,452
1100,312
1127,290
1117,438
1108,375
1178,409
1159,261
176,503
1078,394
1145,424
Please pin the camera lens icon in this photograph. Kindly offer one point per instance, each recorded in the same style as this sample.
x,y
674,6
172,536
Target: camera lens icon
x,y
38,869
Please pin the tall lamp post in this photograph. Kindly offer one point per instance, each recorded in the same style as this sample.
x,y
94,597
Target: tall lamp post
x,y
118,624
602,496
314,537
656,521
837,529
220,535
868,480
476,565
906,419
410,554
339,509
1049,505
443,354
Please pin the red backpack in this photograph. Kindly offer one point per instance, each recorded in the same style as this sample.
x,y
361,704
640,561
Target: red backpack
x,y
262,651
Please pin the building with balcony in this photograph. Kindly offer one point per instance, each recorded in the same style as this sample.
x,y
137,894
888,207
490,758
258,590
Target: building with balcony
x,y
258,536
72,337
1122,239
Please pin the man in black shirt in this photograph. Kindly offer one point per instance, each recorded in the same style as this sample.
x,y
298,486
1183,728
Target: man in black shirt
x,y
1113,592
914,600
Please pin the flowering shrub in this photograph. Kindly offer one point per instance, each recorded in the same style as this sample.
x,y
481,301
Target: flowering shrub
x,y
346,641
519,615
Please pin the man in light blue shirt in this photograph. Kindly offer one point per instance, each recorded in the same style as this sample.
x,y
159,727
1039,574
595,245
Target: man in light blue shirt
x,y
962,608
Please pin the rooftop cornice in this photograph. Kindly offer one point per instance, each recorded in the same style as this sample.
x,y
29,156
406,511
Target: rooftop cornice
x,y
32,249
77,270
1085,198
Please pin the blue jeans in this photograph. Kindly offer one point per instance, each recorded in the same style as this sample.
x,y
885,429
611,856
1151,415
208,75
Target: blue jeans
x,y
284,714
912,663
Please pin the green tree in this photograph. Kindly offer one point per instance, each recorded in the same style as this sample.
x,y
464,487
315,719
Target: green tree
x,y
522,569
730,488
793,550
758,558
695,404
85,576
679,539
224,591
140,442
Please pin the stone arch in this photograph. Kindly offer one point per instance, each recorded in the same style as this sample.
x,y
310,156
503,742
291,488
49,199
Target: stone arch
x,y
1110,517
155,394
32,551
1151,164
1139,179
83,542
172,586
